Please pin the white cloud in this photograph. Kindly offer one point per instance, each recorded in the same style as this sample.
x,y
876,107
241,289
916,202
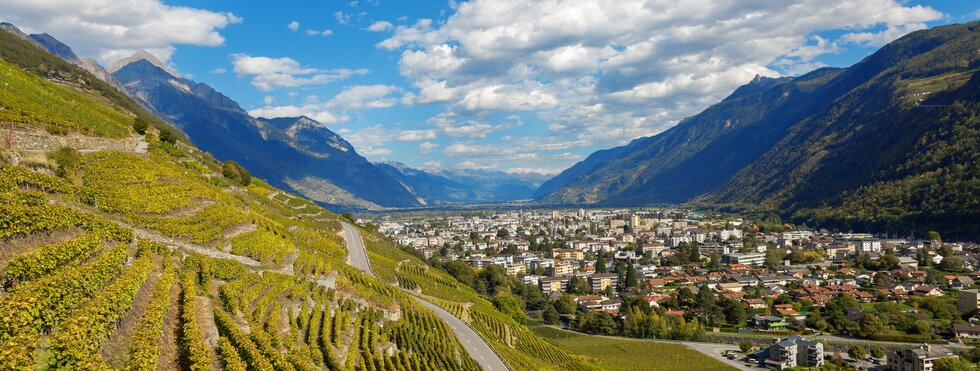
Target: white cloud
x,y
314,112
432,164
110,29
426,147
273,73
218,71
365,96
293,26
416,135
447,122
342,19
371,151
380,26
608,73
268,99
323,33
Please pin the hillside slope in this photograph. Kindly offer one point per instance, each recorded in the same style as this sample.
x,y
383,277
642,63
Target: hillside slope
x,y
809,147
293,153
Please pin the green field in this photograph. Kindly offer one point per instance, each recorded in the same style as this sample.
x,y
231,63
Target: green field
x,y
626,354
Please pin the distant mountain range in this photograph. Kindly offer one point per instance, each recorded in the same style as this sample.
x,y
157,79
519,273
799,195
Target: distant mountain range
x,y
883,145
450,186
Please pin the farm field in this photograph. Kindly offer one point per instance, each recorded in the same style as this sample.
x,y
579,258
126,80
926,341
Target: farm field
x,y
625,354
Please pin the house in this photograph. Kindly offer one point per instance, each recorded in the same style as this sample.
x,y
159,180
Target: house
x,y
965,331
794,351
596,303
768,323
922,358
755,303
730,286
926,290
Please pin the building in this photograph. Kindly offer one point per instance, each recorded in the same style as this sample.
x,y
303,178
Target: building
x,y
795,351
966,331
516,269
744,258
922,358
553,284
867,245
969,301
563,268
600,281
569,254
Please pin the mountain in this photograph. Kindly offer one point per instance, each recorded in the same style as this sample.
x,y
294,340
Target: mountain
x,y
494,185
60,49
295,153
881,145
448,186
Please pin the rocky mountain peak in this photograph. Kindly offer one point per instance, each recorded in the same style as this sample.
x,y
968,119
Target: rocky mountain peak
x,y
141,55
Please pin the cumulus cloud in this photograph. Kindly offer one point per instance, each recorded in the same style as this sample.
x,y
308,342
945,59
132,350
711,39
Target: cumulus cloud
x,y
449,123
218,71
365,96
607,74
112,29
293,26
380,26
426,147
416,135
272,73
313,111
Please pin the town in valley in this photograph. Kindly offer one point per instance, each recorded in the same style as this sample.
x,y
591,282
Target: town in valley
x,y
817,294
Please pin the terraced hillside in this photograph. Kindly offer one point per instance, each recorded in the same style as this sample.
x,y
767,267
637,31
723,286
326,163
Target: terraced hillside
x,y
147,256
520,348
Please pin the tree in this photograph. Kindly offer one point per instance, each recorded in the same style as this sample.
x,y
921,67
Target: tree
x,y
951,264
167,136
551,315
953,364
509,305
461,271
565,305
934,236
714,262
600,263
232,170
870,326
744,346
630,276
857,352
877,352
578,286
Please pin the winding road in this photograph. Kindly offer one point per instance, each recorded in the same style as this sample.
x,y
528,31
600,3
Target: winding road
x,y
478,349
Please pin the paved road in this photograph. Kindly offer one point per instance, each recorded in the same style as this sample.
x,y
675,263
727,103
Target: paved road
x,y
478,349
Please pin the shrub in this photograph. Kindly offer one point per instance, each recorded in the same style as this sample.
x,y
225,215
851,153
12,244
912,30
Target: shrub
x,y
167,136
67,159
140,125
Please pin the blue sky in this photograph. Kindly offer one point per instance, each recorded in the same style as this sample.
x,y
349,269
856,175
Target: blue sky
x,y
512,85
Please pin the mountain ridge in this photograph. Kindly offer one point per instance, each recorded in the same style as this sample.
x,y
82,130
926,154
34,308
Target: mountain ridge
x,y
793,146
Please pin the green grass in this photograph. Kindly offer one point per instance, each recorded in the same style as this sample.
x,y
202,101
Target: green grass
x,y
28,99
627,354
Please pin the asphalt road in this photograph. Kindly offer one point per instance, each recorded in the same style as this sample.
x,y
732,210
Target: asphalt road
x,y
478,349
